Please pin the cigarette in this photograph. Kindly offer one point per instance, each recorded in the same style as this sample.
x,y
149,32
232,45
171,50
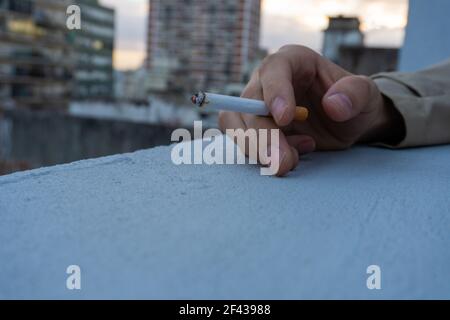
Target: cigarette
x,y
242,105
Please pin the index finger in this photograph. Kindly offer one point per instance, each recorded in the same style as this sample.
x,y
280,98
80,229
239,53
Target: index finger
x,y
287,157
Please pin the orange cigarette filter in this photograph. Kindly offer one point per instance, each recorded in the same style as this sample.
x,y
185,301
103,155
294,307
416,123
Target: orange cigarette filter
x,y
301,114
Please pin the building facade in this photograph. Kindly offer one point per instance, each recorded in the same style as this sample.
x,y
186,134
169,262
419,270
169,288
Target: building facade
x,y
368,61
43,64
341,31
344,45
200,44
93,46
35,59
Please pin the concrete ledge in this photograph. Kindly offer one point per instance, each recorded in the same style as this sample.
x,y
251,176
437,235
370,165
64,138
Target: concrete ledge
x,y
47,138
140,227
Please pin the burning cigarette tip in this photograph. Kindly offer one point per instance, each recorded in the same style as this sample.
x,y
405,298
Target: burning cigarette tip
x,y
198,98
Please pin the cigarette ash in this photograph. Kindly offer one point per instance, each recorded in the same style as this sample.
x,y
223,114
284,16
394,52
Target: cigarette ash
x,y
199,99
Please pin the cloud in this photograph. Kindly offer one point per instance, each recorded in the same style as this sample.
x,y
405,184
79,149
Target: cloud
x,y
302,22
131,18
128,59
373,13
378,38
278,30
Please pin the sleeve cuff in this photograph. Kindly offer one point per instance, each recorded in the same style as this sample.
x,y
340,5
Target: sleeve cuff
x,y
406,100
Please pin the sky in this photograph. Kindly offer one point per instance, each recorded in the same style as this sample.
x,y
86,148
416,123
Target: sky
x,y
283,22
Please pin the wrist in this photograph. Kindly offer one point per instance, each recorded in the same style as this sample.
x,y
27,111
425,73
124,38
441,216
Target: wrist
x,y
388,127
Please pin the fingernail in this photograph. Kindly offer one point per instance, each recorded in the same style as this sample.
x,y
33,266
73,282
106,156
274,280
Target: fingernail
x,y
278,108
342,104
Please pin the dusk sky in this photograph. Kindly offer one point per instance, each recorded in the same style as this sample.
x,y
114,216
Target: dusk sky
x,y
283,21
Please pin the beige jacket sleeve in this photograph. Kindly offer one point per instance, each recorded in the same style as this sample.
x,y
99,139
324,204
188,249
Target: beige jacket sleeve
x,y
423,100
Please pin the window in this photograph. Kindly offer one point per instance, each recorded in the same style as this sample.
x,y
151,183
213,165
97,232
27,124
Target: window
x,y
212,10
22,6
2,23
3,4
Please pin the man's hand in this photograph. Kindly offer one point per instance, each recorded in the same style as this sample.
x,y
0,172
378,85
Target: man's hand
x,y
344,108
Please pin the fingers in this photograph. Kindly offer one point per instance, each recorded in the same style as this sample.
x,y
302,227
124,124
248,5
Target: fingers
x,y
230,120
303,144
285,157
233,120
349,97
277,74
296,157
288,156
275,77
273,83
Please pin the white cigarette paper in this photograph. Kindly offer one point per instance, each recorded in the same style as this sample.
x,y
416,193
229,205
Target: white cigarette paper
x,y
229,103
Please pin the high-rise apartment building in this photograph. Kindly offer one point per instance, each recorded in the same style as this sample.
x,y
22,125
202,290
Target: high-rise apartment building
x,y
201,44
94,45
35,58
43,64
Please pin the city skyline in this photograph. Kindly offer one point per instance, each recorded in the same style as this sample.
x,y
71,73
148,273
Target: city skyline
x,y
285,21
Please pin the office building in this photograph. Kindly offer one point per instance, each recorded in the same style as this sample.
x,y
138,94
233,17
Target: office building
x,y
35,58
93,46
199,44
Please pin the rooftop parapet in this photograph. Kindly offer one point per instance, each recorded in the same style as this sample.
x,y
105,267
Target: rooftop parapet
x,y
140,227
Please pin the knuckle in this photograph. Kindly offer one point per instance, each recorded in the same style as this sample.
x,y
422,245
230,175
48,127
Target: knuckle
x,y
255,76
266,63
371,93
292,48
297,50
251,91
289,47
307,74
367,83
270,87
306,70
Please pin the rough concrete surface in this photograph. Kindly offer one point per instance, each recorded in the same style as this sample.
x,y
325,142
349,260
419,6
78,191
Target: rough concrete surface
x,y
141,227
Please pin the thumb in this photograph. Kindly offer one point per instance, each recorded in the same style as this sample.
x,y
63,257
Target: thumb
x,y
348,97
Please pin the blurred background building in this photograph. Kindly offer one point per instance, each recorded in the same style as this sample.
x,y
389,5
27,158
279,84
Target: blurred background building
x,y
43,65
94,45
344,45
36,64
199,44
368,60
341,31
